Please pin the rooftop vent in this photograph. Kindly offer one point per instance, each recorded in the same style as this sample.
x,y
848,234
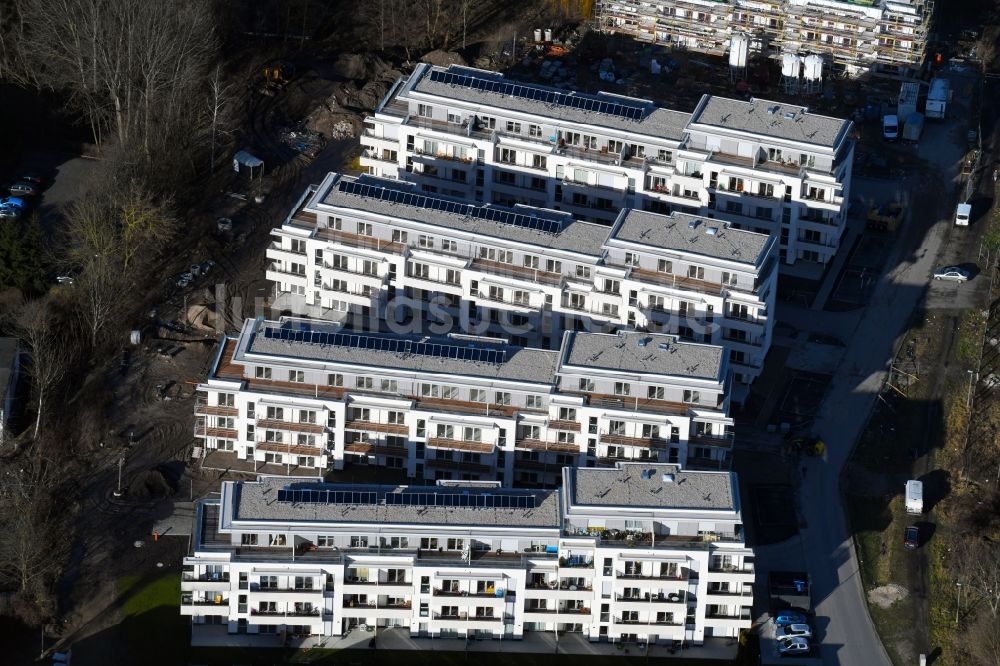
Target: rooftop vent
x,y
773,109
664,346
647,473
711,231
668,478
789,115
693,224
643,342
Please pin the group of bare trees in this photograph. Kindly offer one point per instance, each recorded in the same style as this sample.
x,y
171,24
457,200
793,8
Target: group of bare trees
x,y
136,72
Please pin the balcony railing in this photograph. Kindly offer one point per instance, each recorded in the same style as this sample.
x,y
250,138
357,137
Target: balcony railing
x,y
201,406
312,612
297,426
206,577
669,598
201,430
459,444
747,568
541,445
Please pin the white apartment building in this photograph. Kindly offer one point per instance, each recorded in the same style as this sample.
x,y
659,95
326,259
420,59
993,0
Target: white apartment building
x,y
310,396
379,247
636,553
475,135
854,36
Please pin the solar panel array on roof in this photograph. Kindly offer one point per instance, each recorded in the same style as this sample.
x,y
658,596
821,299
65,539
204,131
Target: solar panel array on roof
x,y
477,500
364,497
446,205
327,497
389,345
620,109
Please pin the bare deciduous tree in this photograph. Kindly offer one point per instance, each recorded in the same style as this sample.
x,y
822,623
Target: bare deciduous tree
x,y
978,566
36,325
29,517
131,67
983,640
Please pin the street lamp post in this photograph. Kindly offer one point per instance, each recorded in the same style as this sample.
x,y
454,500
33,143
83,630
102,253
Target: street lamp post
x,y
118,491
958,601
968,396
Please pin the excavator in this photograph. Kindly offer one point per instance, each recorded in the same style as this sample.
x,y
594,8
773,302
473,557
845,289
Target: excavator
x,y
277,74
807,444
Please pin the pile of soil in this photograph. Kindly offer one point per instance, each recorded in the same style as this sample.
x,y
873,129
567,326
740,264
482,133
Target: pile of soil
x,y
161,481
885,596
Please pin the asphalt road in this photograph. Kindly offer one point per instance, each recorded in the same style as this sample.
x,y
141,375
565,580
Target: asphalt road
x,y
848,636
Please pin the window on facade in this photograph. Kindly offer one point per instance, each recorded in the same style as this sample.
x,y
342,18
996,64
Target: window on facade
x,y
623,388
359,542
508,156
425,110
501,398
534,130
389,386
262,373
335,379
513,127
587,385
691,396
533,401
425,241
366,383
567,414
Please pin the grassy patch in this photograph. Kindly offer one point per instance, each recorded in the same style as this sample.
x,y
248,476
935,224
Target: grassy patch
x,y
153,630
969,337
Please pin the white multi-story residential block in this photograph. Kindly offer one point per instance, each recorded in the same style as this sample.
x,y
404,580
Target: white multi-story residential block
x,y
476,135
309,395
640,552
373,246
854,36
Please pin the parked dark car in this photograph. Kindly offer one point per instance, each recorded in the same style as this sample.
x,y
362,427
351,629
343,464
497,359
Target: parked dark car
x,y
911,538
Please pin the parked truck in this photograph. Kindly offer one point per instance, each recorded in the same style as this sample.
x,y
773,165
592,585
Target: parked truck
x,y
914,497
909,93
913,126
937,99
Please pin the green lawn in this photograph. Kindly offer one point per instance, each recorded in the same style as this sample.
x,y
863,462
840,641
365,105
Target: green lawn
x,y
152,628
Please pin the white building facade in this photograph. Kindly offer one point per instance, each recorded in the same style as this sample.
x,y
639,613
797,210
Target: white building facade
x,y
382,250
475,135
854,36
644,553
310,396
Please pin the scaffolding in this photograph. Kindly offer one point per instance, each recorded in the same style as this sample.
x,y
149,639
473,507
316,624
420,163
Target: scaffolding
x,y
854,35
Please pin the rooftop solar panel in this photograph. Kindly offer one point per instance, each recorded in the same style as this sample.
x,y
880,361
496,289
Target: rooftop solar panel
x,y
492,356
446,205
526,91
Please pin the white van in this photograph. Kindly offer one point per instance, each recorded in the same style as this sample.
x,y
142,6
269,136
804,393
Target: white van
x,y
890,127
914,497
962,213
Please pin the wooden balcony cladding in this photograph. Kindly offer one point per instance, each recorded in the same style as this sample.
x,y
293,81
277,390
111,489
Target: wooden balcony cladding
x,y
541,445
222,433
572,426
371,447
202,407
459,445
374,426
641,442
281,447
460,465
275,424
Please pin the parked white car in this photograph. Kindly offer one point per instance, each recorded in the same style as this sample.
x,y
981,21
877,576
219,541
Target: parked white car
x,y
792,630
953,273
793,645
